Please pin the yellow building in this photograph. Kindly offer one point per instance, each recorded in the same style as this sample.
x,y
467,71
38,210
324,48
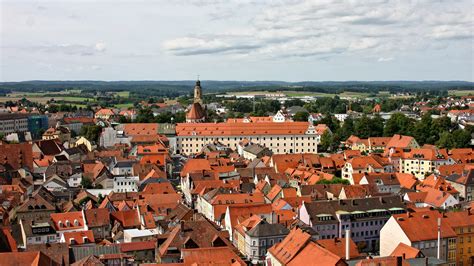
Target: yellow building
x,y
423,161
463,224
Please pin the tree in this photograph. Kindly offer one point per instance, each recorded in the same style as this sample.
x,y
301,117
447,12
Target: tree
x,y
422,131
91,132
398,123
328,142
335,180
301,116
459,138
347,128
363,127
331,122
86,182
462,138
145,115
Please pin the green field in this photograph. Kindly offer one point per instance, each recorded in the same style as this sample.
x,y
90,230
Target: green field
x,y
124,105
68,98
123,94
461,92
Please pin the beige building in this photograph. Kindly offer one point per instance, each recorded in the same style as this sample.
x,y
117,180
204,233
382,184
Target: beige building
x,y
280,138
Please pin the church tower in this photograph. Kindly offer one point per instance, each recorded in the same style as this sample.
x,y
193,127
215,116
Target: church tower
x,y
198,92
196,113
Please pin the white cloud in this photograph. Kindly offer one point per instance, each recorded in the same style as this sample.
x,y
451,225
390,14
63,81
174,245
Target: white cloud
x,y
307,28
385,59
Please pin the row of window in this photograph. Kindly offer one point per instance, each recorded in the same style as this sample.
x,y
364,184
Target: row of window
x,y
250,138
187,151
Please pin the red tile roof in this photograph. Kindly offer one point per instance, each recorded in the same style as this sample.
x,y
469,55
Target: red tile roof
x,y
211,256
239,129
159,188
195,165
79,238
406,180
138,246
97,217
16,155
133,129
33,258
68,220
127,219
338,247
196,112
422,226
291,245
406,251
313,252
400,141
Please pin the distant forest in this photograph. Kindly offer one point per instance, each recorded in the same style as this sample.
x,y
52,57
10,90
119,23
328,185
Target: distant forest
x,y
178,88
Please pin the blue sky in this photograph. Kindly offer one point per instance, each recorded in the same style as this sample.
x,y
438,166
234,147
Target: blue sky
x,y
287,40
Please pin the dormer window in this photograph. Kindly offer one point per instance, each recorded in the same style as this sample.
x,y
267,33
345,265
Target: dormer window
x,y
68,223
60,224
76,222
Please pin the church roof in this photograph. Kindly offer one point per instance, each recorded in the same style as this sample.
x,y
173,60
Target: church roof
x,y
196,112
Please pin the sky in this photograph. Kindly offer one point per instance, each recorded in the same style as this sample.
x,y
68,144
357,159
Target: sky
x,y
287,40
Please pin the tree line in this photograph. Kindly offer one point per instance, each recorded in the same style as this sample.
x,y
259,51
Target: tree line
x,y
436,131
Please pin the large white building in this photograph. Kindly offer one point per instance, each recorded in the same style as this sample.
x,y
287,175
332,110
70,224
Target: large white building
x,y
280,138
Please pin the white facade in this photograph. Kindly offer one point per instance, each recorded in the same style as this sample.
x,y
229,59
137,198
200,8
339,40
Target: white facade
x,y
341,117
126,184
391,235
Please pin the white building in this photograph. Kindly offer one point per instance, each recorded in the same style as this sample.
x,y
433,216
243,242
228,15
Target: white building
x,y
126,184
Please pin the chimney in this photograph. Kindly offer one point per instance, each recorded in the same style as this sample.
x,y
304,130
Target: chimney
x,y
438,254
348,241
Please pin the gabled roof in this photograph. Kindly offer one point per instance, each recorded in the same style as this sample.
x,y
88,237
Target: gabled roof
x,y
406,180
195,165
138,246
33,258
422,226
68,220
406,251
211,256
265,229
79,237
364,161
200,232
127,219
291,245
133,129
400,141
97,217
314,252
16,155
34,203
196,112
338,247
159,188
